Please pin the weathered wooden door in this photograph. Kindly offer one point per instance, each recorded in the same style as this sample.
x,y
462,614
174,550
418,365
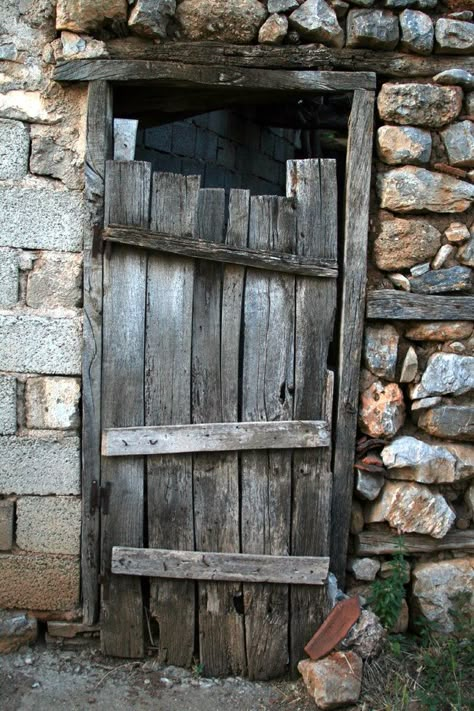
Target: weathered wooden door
x,y
216,409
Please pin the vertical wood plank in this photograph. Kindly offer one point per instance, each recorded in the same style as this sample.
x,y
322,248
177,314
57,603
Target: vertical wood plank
x,y
168,402
357,197
127,202
267,394
98,150
313,185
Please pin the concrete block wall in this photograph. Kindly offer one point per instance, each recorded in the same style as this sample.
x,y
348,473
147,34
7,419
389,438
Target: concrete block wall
x,y
228,149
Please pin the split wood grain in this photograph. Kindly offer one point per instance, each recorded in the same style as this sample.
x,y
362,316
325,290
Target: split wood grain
x,y
238,567
127,200
226,253
391,304
214,437
386,543
98,150
195,75
356,223
313,185
170,285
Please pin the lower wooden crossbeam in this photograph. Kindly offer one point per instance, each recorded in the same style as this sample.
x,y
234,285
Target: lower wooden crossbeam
x,y
238,567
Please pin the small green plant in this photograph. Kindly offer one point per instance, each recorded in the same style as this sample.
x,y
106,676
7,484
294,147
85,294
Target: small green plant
x,y
387,595
197,669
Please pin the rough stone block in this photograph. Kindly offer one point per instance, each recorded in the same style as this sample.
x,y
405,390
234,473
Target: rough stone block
x,y
426,105
417,32
236,22
24,106
40,344
14,149
412,189
397,145
7,404
411,459
446,374
442,281
52,403
466,253
16,630
459,142
273,30
40,466
333,681
439,331
436,586
7,512
401,244
449,421
38,216
150,18
39,582
48,524
8,277
375,29
89,15
454,37
381,350
56,280
382,410
49,157
315,20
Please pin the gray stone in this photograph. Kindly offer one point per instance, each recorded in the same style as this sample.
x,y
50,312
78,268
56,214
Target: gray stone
x,y
401,243
443,254
282,5
382,410
417,32
410,507
40,344
449,421
399,4
446,374
376,29
41,217
439,330
456,77
40,466
428,105
457,233
49,524
7,404
412,189
315,20
76,47
459,143
340,7
50,158
470,103
7,515
55,280
466,254
368,485
409,366
426,4
400,281
381,350
89,15
419,269
16,630
454,37
125,138
426,402
366,637
469,499
8,277
273,30
237,21
52,403
462,15
443,281
14,149
364,568
363,3
411,459
436,586
8,52
398,145
150,18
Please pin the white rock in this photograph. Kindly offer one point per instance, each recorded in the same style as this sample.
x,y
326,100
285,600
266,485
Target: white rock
x,y
442,255
411,459
368,485
364,568
52,403
381,350
457,233
436,586
426,402
400,281
409,366
420,269
454,37
315,20
446,374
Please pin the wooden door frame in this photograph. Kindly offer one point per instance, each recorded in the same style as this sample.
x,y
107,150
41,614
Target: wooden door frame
x,y
101,75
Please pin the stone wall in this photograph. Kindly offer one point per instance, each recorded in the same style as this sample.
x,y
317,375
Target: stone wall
x,y
415,458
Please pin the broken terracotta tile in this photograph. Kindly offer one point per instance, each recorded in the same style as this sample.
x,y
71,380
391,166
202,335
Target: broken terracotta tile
x,y
334,628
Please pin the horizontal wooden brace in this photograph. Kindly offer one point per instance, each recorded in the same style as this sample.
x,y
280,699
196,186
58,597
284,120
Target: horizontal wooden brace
x,y
228,254
214,437
403,306
234,567
386,543
205,77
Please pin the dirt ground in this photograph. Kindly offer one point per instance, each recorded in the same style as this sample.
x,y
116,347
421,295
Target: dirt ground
x,y
43,679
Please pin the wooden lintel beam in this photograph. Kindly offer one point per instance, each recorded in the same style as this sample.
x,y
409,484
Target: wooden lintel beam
x,y
403,306
237,567
214,437
228,254
195,75
386,543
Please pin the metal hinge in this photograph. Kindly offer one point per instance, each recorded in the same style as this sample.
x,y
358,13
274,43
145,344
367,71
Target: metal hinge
x,y
100,497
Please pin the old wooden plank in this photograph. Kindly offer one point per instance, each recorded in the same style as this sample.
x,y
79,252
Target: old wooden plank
x,y
238,567
386,542
310,56
167,396
226,253
127,200
195,75
357,195
98,150
214,437
313,185
267,394
391,304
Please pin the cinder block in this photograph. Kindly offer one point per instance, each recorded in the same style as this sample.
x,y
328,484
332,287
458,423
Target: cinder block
x,y
184,139
226,154
56,280
48,524
159,138
40,344
39,216
38,581
40,466
206,145
14,149
52,403
7,510
8,277
7,404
